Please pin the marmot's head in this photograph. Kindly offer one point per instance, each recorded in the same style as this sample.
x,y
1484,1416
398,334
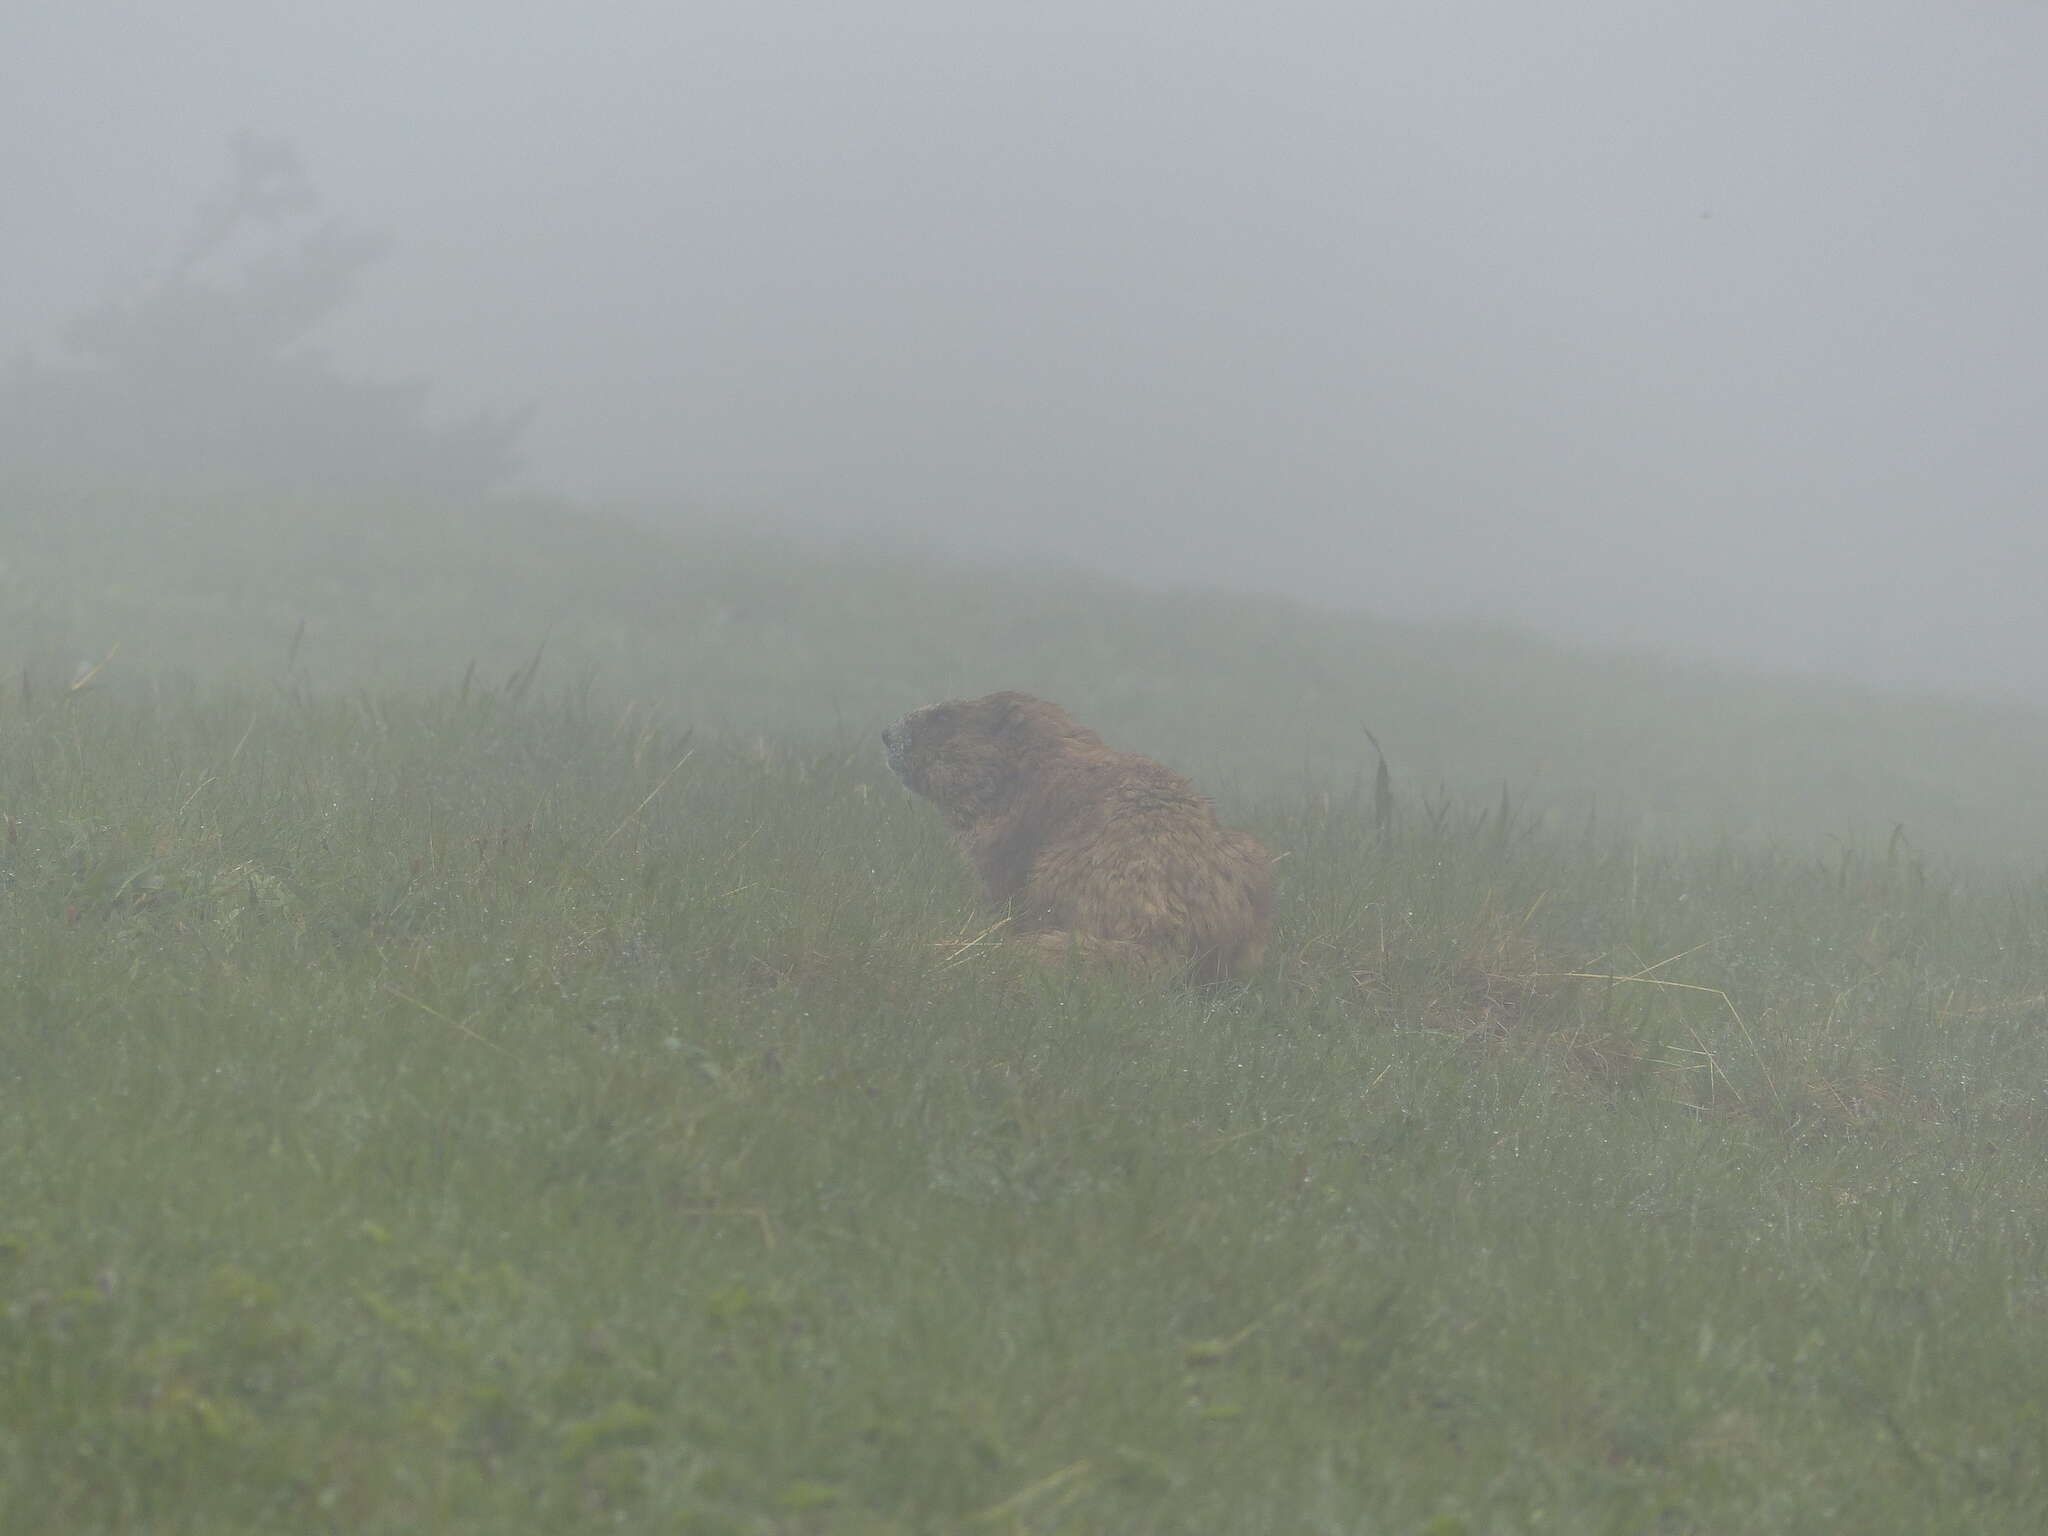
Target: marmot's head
x,y
967,755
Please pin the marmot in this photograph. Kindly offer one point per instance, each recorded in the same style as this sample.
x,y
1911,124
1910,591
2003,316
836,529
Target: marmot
x,y
1092,849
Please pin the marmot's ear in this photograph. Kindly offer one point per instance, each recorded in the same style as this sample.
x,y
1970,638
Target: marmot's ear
x,y
1016,715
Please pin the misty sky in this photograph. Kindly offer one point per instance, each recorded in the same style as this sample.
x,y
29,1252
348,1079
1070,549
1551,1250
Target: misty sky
x,y
1718,324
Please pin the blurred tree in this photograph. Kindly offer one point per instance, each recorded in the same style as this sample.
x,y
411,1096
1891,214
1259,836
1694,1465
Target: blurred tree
x,y
211,374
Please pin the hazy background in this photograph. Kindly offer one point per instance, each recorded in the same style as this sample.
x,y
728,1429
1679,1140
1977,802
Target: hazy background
x,y
1716,327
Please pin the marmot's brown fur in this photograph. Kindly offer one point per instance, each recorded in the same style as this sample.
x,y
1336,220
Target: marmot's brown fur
x,y
1090,848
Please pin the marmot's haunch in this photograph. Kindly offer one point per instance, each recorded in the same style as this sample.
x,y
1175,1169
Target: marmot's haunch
x,y
1092,849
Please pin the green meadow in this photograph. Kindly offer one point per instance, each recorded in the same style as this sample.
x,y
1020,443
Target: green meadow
x,y
486,1047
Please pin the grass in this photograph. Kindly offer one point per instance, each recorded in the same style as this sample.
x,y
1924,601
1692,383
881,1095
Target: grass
x,y
479,1106
743,637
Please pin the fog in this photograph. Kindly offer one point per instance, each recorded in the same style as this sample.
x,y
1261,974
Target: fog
x,y
1714,328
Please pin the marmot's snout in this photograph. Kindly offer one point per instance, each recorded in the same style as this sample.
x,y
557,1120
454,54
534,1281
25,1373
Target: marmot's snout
x,y
894,740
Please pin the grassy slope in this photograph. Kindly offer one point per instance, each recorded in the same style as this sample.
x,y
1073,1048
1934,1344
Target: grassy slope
x,y
435,1110
734,635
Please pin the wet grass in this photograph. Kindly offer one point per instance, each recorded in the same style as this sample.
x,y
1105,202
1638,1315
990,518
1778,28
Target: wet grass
x,y
475,1107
